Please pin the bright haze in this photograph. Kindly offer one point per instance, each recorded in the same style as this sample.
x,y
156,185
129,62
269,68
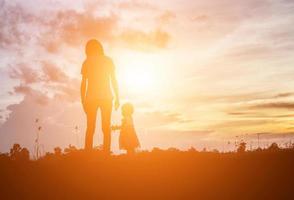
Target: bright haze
x,y
199,73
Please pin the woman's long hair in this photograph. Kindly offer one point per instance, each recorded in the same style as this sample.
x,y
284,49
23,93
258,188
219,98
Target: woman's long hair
x,y
94,48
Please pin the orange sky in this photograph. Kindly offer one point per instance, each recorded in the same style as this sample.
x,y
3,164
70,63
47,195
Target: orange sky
x,y
199,73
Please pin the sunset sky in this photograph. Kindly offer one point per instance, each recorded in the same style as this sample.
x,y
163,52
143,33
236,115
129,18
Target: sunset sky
x,y
199,73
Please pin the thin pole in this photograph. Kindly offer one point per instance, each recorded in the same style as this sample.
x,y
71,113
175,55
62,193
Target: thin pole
x,y
258,140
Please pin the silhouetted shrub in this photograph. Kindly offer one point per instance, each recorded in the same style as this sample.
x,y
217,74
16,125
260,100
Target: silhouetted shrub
x,y
242,147
156,149
215,151
172,149
70,149
24,154
192,150
273,147
18,153
15,151
57,151
4,157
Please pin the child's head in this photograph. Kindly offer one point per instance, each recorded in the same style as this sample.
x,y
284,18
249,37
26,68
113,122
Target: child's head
x,y
127,109
94,47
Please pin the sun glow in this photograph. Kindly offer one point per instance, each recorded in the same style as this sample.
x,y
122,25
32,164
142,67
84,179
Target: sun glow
x,y
139,79
141,75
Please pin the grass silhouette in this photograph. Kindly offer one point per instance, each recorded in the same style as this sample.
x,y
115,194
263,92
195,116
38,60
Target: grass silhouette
x,y
159,174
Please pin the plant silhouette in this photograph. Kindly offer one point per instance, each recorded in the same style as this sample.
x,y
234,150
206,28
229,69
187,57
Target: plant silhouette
x,y
159,174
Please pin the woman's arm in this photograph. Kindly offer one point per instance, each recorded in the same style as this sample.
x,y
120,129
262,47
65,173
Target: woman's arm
x,y
114,87
83,91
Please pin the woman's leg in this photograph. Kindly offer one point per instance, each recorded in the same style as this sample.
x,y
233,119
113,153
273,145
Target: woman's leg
x,y
106,109
130,151
91,124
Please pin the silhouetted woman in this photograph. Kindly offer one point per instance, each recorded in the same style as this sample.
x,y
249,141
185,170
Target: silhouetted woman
x,y
98,75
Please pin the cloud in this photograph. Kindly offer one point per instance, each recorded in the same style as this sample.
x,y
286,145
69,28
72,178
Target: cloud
x,y
258,115
145,41
283,95
24,73
22,89
195,133
153,119
252,51
50,77
12,18
158,118
52,73
236,97
238,102
200,18
69,91
63,86
53,29
246,124
166,17
275,105
74,28
56,118
136,5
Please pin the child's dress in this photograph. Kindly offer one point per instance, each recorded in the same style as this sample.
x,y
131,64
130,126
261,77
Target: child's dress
x,y
128,138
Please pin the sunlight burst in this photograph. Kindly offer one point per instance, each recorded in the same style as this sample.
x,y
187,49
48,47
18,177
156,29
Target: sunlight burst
x,y
141,76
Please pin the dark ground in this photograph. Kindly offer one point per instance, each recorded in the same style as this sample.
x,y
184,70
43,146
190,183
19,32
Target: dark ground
x,y
150,175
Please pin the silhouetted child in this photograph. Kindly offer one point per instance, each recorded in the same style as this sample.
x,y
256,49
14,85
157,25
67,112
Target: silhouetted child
x,y
128,139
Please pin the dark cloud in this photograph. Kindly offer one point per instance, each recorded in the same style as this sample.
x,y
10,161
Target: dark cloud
x,y
185,133
50,77
243,123
275,105
231,98
282,95
46,73
22,89
24,73
241,113
52,73
236,98
258,115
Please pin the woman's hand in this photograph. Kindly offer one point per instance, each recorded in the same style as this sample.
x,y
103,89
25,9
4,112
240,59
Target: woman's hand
x,y
115,127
